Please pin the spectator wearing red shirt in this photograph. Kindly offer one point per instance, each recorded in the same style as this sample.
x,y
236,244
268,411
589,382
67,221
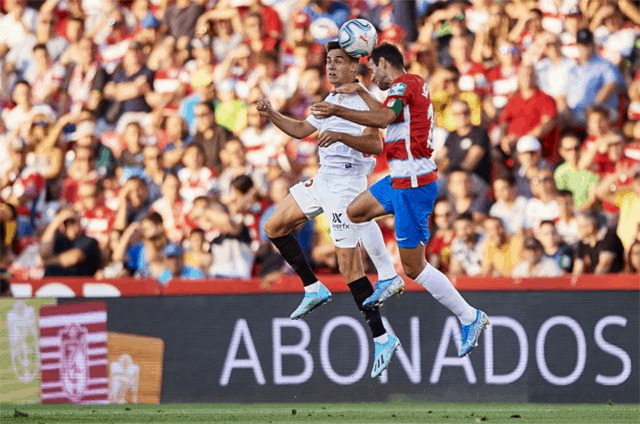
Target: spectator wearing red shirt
x,y
96,218
472,75
530,112
254,30
503,79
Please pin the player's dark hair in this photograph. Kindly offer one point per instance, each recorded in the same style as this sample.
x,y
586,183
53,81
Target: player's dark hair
x,y
242,183
390,53
565,193
334,45
465,217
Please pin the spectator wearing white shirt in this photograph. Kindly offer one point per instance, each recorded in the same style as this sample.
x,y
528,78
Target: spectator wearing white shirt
x,y
553,72
509,207
544,206
467,248
529,154
16,25
614,39
535,263
24,109
567,224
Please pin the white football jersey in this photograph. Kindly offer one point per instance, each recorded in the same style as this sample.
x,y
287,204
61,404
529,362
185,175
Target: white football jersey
x,y
339,158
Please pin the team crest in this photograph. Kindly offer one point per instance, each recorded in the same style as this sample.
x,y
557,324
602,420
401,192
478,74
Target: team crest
x,y
23,341
398,89
74,367
124,377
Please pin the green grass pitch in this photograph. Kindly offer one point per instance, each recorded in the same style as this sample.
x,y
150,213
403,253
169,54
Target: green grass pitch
x,y
393,412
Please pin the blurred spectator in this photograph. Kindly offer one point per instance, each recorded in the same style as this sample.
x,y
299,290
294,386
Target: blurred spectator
x,y
226,30
529,155
473,76
615,39
171,265
141,246
128,85
633,260
96,218
535,263
86,136
625,196
554,247
171,208
209,135
438,249
599,250
66,250
8,233
197,259
463,199
509,207
553,72
592,81
19,22
444,89
132,155
134,203
262,140
84,81
468,147
233,156
195,178
544,206
231,250
24,106
174,136
569,177
530,112
467,248
501,251
566,223
503,78
180,18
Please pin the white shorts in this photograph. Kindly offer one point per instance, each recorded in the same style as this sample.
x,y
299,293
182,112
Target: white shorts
x,y
331,194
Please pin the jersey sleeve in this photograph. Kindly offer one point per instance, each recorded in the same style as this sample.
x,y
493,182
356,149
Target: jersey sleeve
x,y
401,89
315,122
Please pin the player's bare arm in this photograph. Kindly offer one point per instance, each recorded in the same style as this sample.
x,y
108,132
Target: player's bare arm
x,y
292,127
369,142
380,118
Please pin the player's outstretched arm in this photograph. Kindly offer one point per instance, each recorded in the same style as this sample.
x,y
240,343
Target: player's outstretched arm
x,y
369,142
292,127
380,118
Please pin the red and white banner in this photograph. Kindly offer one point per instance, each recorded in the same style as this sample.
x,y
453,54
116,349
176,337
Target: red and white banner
x,y
73,354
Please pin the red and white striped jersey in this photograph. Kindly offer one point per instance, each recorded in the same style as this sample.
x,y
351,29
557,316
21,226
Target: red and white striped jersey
x,y
408,144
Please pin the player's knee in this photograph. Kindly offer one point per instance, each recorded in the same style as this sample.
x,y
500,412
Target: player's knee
x,y
355,214
413,268
275,227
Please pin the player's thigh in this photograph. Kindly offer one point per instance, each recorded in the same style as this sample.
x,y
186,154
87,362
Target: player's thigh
x,y
350,263
287,217
412,210
372,203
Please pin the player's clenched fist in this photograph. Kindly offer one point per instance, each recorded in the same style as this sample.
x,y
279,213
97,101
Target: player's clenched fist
x,y
264,107
323,110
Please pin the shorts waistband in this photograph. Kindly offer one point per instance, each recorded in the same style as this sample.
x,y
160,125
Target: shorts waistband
x,y
422,180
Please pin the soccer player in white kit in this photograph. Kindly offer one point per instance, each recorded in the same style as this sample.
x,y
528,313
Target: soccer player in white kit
x,y
345,163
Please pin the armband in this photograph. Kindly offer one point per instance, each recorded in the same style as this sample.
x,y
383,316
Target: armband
x,y
396,106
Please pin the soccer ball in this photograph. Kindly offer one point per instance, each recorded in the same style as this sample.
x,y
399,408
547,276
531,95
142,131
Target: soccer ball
x,y
357,37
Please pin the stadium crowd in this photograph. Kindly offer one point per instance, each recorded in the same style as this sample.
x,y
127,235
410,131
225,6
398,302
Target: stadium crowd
x,y
131,143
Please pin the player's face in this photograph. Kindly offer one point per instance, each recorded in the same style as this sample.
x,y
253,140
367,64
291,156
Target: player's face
x,y
341,69
378,75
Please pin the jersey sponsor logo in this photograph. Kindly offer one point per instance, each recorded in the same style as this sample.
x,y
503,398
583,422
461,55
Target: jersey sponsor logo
x,y
337,222
398,89
337,218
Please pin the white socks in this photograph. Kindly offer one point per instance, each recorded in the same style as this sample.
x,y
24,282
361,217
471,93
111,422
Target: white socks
x,y
312,288
372,241
443,291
